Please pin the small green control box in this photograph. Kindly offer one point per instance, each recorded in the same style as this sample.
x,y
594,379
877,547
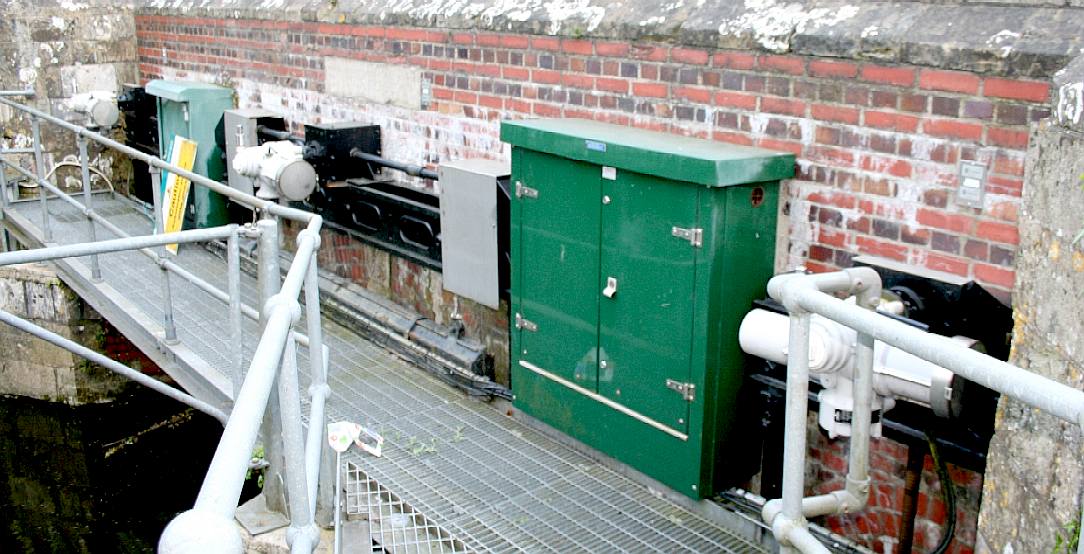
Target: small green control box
x,y
194,111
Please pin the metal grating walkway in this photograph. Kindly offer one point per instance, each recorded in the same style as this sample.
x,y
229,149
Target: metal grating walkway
x,y
489,480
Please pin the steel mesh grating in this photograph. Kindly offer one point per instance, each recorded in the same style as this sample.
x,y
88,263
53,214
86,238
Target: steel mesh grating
x,y
493,483
394,526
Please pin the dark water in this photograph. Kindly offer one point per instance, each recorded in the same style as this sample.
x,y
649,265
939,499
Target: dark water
x,y
98,478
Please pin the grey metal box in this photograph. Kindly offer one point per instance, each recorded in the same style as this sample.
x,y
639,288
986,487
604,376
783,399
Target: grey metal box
x,y
240,130
468,221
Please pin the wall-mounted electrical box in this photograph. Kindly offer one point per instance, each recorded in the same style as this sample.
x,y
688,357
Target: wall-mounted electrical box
x,y
470,220
194,111
240,130
635,256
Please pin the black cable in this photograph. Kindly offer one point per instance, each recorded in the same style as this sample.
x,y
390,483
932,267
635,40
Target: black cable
x,y
948,496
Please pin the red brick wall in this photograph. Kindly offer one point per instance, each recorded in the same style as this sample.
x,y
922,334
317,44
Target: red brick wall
x,y
878,148
878,144
878,526
413,286
115,346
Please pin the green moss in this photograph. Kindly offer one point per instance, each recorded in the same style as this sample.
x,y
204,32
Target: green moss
x,y
1068,538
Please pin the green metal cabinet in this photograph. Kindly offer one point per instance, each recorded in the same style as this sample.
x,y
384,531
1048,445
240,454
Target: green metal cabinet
x,y
634,257
194,111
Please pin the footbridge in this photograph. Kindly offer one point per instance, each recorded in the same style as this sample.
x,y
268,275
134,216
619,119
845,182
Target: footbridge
x,y
235,321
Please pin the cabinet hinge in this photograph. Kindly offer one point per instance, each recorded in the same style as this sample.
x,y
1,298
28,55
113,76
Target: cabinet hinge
x,y
525,324
525,191
687,390
694,236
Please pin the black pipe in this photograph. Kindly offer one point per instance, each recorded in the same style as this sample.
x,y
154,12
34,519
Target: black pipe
x,y
409,169
771,474
912,479
278,135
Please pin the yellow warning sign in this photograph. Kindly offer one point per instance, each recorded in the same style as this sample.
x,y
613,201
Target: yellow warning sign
x,y
175,197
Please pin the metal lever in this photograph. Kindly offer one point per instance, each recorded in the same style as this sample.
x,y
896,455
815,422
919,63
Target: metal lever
x,y
611,287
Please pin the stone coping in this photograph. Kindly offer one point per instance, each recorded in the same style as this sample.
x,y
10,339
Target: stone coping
x,y
1025,39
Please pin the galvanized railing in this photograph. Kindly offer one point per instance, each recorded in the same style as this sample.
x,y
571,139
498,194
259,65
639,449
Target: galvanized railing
x,y
209,526
804,295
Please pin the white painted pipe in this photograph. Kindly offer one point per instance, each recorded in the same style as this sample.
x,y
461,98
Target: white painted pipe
x,y
831,348
764,334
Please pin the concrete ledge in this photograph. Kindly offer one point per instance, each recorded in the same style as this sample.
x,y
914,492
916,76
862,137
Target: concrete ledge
x,y
1005,39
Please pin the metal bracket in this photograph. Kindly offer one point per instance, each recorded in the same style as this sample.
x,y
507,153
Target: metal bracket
x,y
525,324
687,390
694,236
525,191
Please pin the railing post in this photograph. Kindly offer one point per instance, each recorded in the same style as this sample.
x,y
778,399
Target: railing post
x,y
84,166
167,306
269,280
3,200
1080,543
301,517
39,170
233,286
861,418
167,290
156,197
318,459
795,421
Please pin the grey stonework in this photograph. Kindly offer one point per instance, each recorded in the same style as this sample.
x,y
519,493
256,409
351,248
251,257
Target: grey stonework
x,y
31,367
1034,473
58,49
1018,38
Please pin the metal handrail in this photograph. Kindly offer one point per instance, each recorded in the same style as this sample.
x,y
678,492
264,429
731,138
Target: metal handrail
x,y
249,200
215,292
87,249
804,295
210,524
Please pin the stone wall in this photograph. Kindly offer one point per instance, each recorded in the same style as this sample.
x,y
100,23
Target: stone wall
x,y
58,49
34,368
878,525
1035,472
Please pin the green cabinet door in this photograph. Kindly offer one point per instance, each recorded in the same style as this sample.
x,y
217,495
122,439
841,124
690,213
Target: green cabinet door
x,y
647,295
556,304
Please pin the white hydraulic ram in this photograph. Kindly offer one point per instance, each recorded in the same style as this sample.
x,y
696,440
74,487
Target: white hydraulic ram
x,y
805,295
278,169
896,374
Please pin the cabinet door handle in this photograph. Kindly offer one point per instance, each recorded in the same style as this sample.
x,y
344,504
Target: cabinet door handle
x,y
611,287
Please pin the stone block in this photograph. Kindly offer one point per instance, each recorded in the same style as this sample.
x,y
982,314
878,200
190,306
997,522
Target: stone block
x,y
40,302
32,273
105,27
377,83
25,347
75,79
13,297
23,378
